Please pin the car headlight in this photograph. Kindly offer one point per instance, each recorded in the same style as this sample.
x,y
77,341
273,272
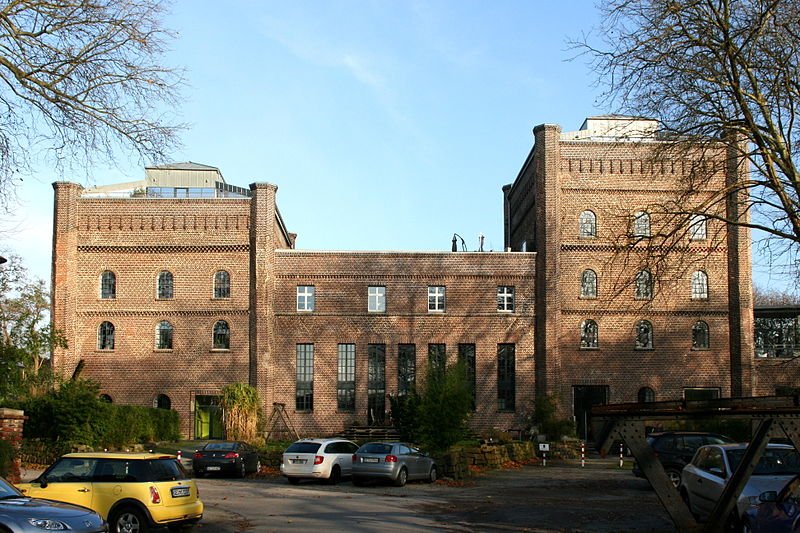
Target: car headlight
x,y
48,525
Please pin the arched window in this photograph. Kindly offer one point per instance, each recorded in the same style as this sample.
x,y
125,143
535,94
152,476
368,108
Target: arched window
x,y
641,224
164,285
700,336
644,335
164,336
588,284
108,285
222,284
643,285
646,395
222,336
587,223
106,398
698,228
589,334
162,401
105,336
699,285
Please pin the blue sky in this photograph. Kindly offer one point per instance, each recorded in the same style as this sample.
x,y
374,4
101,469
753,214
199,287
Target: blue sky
x,y
386,125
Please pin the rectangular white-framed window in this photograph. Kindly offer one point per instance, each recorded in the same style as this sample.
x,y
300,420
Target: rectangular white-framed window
x,y
305,298
436,299
505,299
376,299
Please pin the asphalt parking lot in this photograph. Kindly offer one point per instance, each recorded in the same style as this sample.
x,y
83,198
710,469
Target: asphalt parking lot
x,y
558,497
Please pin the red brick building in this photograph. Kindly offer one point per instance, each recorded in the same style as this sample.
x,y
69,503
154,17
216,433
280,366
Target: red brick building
x,y
170,288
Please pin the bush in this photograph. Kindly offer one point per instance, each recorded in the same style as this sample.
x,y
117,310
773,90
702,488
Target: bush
x,y
437,417
241,404
545,417
75,415
7,454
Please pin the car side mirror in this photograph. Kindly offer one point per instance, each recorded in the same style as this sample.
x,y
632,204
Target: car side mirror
x,y
43,482
768,496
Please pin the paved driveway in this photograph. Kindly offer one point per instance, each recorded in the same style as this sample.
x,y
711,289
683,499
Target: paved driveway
x,y
534,498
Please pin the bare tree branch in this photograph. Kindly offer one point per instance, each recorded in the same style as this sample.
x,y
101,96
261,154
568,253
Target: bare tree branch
x,y
81,80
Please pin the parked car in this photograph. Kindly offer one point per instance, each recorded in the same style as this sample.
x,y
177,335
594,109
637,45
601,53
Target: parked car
x,y
397,462
774,511
21,514
226,457
329,459
675,450
705,477
133,491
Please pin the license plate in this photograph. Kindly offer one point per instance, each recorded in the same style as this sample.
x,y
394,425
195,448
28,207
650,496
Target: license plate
x,y
180,492
210,468
371,460
298,461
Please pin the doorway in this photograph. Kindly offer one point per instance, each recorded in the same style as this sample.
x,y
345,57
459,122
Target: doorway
x,y
208,418
583,398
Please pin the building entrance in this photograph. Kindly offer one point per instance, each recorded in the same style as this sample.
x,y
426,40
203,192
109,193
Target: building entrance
x,y
583,398
208,418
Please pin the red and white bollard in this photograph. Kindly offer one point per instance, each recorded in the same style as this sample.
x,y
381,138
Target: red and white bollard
x,y
179,455
621,460
583,454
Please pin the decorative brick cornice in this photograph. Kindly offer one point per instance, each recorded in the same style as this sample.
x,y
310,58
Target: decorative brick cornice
x,y
164,312
165,249
643,312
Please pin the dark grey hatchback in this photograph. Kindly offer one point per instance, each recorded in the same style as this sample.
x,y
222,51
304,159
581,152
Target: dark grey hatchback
x,y
397,462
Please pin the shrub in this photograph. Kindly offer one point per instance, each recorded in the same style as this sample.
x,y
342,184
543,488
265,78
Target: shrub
x,y
545,417
437,417
241,405
7,454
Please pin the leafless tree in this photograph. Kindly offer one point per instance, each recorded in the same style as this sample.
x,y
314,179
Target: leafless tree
x,y
81,82
713,71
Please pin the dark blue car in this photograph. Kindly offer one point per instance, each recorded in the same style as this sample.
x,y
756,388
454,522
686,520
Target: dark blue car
x,y
775,511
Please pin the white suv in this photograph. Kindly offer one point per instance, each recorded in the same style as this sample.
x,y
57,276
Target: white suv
x,y
330,459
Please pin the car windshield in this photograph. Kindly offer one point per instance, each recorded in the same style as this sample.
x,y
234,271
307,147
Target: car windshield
x,y
167,470
8,491
220,446
376,447
774,461
303,447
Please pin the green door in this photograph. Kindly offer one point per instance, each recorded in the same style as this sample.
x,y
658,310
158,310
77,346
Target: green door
x,y
208,418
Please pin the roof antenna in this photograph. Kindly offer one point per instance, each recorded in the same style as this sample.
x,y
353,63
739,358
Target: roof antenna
x,y
455,246
480,242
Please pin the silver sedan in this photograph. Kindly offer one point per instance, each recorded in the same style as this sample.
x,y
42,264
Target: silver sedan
x,y
20,514
397,462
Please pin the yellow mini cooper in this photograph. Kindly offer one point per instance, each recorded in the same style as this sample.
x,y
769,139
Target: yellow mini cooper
x,y
133,491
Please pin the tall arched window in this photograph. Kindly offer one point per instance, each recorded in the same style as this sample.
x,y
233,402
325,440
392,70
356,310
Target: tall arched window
x,y
699,285
646,395
698,228
641,224
222,284
162,401
590,334
165,285
164,335
588,224
644,335
643,285
700,336
222,336
108,285
588,284
105,336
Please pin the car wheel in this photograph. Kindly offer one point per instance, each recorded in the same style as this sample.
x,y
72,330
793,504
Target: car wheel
x,y
293,480
336,475
402,477
432,474
128,520
674,476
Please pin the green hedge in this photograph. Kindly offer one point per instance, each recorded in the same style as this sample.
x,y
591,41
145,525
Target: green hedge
x,y
76,415
7,453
